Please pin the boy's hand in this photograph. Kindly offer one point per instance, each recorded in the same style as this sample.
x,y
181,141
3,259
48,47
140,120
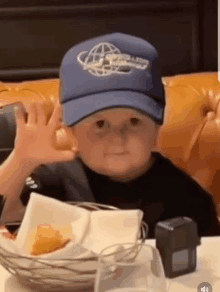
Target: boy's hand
x,y
36,136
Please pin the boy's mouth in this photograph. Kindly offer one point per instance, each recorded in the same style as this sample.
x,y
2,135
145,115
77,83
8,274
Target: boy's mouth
x,y
117,153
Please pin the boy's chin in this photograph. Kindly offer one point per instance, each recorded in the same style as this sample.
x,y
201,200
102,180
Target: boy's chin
x,y
121,168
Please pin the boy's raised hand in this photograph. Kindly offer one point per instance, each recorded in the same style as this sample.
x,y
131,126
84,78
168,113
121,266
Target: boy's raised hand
x,y
36,135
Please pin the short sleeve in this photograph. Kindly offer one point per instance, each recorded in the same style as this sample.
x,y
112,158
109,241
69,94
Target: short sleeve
x,y
45,181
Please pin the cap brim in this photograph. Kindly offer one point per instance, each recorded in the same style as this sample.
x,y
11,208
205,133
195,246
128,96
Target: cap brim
x,y
78,109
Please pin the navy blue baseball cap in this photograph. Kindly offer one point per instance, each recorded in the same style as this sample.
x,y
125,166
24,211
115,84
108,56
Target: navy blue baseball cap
x,y
114,70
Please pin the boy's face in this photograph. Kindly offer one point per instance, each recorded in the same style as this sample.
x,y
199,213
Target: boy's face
x,y
116,142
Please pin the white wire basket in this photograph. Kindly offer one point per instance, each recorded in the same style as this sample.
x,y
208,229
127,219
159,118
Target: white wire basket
x,y
62,274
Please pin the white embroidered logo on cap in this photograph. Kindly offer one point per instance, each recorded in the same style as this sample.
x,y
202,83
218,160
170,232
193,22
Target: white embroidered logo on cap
x,y
105,59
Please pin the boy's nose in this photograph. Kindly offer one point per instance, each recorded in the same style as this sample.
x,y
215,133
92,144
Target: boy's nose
x,y
118,134
116,141
120,130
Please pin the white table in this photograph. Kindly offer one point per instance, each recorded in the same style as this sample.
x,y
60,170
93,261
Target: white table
x,y
208,270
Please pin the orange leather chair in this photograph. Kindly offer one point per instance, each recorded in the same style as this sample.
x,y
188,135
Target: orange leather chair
x,y
190,136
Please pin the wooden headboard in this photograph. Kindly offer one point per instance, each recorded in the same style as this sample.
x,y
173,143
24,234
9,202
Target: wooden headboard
x,y
35,36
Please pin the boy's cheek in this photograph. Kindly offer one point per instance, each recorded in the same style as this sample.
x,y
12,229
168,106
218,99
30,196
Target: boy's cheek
x,y
136,145
92,154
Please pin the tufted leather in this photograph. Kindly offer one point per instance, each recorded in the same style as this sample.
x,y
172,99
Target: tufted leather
x,y
189,137
190,99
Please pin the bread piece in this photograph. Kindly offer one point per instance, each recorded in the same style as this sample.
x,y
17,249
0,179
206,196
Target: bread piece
x,y
46,239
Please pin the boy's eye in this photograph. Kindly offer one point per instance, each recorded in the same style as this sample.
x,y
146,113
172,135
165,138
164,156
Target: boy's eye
x,y
134,121
100,124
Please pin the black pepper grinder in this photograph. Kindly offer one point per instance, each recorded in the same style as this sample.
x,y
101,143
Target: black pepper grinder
x,y
177,240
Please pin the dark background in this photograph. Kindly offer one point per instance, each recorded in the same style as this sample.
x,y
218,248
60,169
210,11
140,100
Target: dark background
x,y
35,36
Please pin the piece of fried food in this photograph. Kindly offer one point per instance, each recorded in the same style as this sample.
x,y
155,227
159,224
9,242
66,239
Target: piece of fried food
x,y
46,239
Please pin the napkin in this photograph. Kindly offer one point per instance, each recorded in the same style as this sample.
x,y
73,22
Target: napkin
x,y
108,227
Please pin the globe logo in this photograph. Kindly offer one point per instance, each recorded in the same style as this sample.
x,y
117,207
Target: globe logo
x,y
105,59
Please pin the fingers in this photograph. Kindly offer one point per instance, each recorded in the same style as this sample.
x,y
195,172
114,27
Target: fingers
x,y
20,115
60,156
71,138
41,113
65,156
37,114
31,109
56,117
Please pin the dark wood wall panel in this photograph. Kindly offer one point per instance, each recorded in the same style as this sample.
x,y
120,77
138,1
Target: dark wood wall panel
x,y
17,4
209,33
34,39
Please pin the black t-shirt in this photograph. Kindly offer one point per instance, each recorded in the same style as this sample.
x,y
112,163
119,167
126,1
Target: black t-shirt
x,y
163,192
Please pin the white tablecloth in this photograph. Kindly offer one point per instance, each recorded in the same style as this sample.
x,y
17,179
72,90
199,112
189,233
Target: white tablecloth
x,y
208,270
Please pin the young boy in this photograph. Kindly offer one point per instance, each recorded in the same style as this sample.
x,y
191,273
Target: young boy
x,y
113,99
